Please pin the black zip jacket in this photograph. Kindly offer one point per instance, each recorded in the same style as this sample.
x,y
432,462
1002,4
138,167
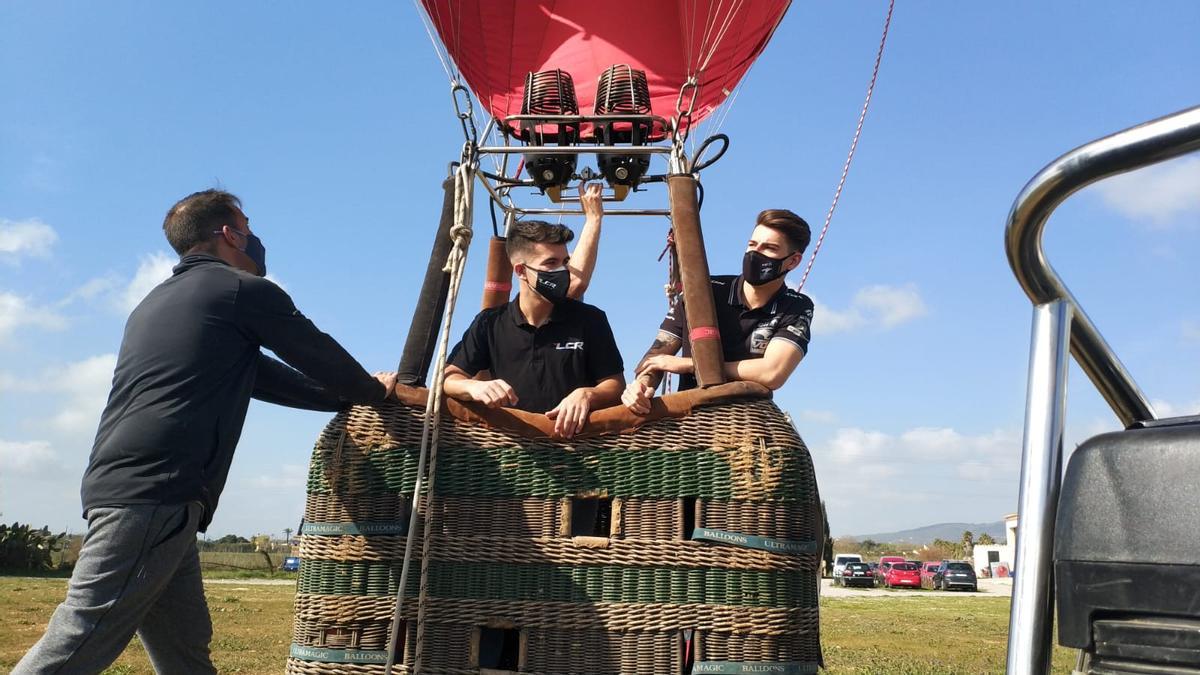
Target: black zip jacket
x,y
188,366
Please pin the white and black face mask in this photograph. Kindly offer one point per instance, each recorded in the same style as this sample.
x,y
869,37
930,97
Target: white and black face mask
x,y
552,284
759,269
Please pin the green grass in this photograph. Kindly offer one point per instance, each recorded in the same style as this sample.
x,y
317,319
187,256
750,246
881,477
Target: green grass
x,y
908,634
252,625
919,635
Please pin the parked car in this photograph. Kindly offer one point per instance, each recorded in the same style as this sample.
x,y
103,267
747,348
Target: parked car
x,y
903,574
928,569
839,563
885,563
951,575
290,564
856,574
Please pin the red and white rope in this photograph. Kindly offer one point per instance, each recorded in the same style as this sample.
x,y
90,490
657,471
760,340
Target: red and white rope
x,y
853,145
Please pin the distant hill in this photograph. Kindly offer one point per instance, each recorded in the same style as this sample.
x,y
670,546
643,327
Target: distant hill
x,y
925,535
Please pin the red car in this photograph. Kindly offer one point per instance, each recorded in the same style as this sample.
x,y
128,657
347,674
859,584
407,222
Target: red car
x,y
885,564
903,574
928,569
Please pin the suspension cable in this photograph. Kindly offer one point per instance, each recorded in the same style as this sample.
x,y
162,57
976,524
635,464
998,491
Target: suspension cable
x,y
853,144
461,233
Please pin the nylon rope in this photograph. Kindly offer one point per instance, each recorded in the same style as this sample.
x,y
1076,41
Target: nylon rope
x,y
725,25
461,232
446,60
709,23
706,49
450,67
853,145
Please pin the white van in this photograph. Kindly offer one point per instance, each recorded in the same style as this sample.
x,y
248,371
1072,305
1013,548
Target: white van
x,y
839,563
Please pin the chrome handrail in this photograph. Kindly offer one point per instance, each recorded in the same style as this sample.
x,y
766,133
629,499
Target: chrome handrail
x,y
1058,321
1134,148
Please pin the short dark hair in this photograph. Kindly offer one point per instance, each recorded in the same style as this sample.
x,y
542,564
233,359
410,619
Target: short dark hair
x,y
193,219
524,233
790,225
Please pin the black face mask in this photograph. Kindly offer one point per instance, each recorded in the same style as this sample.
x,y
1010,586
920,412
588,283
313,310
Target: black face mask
x,y
758,269
552,285
256,252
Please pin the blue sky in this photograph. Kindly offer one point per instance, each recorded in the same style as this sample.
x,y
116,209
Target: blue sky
x,y
334,125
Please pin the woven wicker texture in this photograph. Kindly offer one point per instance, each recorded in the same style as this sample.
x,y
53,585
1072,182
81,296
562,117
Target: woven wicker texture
x,y
506,551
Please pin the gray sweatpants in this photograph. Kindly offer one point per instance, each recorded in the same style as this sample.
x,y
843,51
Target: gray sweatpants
x,y
138,571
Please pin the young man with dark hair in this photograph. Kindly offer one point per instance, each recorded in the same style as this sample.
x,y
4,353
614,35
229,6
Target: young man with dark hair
x,y
189,363
764,324
545,351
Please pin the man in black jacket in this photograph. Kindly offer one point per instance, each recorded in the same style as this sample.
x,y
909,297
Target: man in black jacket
x,y
189,363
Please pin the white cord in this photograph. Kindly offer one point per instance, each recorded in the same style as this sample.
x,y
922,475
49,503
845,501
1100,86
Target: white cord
x,y
461,232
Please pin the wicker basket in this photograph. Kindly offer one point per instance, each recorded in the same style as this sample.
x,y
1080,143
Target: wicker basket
x,y
687,543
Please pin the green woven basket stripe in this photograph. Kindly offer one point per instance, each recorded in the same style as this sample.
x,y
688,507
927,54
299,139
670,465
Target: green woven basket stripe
x,y
508,472
566,583
337,655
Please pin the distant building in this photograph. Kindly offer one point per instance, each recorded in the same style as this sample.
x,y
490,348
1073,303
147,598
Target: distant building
x,y
997,558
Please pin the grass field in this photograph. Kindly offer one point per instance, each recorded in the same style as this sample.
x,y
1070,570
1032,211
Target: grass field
x,y
902,635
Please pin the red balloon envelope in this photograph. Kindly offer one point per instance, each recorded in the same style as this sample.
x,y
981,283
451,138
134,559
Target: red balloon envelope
x,y
495,43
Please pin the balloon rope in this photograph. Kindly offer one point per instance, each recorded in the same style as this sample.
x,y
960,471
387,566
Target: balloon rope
x,y
461,233
439,49
725,24
853,144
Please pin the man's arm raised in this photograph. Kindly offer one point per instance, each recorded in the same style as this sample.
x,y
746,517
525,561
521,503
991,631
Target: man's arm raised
x,y
583,259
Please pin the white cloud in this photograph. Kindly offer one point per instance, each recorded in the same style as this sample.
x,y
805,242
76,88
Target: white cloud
x,y
827,320
1168,409
81,388
26,458
20,238
90,290
917,472
1160,193
892,306
289,477
934,442
86,384
853,445
922,444
152,271
878,306
16,311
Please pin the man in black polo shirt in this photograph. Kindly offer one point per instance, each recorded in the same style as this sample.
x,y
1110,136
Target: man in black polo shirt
x,y
546,351
764,324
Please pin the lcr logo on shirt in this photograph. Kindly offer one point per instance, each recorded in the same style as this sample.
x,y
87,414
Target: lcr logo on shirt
x,y
576,345
762,336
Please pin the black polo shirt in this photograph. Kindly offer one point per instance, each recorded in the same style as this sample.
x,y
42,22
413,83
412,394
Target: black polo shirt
x,y
746,332
574,348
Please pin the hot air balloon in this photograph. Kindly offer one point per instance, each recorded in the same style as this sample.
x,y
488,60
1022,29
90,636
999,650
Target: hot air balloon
x,y
446,537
